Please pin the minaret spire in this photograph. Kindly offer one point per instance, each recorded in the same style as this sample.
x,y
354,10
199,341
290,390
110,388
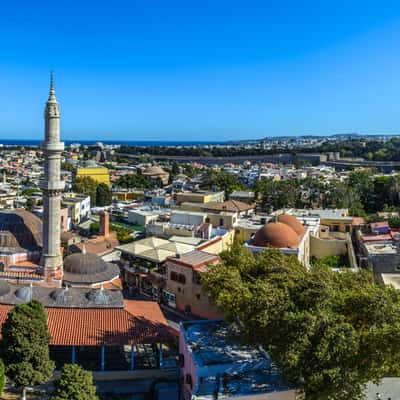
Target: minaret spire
x,y
52,94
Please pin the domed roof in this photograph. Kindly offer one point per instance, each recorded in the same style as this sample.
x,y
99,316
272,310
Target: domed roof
x,y
4,288
154,170
293,222
276,234
84,264
25,293
62,296
20,229
88,268
100,297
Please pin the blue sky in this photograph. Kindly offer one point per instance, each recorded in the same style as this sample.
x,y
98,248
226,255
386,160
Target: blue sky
x,y
200,70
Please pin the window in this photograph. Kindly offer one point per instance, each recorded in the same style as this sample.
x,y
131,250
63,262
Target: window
x,y
181,360
221,222
189,380
182,279
198,296
174,276
196,278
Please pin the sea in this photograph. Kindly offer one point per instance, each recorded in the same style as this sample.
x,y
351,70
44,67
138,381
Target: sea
x,y
143,143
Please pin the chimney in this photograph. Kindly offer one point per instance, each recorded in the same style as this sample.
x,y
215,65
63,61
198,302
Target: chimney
x,y
104,229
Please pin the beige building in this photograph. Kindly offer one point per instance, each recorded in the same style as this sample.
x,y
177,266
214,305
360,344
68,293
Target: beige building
x,y
128,195
200,196
78,207
183,290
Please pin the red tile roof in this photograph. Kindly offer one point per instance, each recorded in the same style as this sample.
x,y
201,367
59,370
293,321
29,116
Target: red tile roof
x,y
138,322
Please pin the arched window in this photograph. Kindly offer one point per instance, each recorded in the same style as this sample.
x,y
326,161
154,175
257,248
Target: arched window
x,y
181,360
189,380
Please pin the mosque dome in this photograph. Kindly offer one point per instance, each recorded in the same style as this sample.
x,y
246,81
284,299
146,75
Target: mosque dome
x,y
25,293
100,297
88,268
293,222
4,288
154,170
276,234
20,229
84,264
62,296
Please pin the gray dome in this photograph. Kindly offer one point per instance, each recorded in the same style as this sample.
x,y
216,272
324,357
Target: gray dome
x,y
84,264
4,288
25,293
20,229
62,296
100,296
88,269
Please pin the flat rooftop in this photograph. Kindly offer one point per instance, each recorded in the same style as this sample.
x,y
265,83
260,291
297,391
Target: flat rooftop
x,y
327,213
381,248
210,344
231,369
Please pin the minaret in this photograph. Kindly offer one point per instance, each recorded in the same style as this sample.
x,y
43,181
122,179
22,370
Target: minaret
x,y
52,187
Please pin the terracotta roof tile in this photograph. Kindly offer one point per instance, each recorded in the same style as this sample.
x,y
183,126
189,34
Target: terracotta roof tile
x,y
138,322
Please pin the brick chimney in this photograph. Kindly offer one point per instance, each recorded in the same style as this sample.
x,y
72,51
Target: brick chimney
x,y
104,229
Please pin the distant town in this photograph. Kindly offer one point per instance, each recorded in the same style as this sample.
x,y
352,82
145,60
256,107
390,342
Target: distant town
x,y
147,259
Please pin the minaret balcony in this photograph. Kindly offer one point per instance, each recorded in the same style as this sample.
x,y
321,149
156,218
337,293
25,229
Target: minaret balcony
x,y
52,185
52,146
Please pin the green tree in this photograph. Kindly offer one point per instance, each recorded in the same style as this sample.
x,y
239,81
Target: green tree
x,y
75,384
25,346
329,333
66,166
103,195
223,181
86,185
130,181
2,377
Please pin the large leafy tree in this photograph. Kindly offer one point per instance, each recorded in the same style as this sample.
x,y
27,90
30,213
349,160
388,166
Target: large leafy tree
x,y
103,195
138,181
2,377
75,384
223,181
86,185
25,346
330,333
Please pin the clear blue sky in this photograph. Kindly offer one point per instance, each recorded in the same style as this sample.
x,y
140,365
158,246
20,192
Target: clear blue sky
x,y
200,70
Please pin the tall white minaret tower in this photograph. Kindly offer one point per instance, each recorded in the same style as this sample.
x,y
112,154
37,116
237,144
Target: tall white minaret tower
x,y
52,187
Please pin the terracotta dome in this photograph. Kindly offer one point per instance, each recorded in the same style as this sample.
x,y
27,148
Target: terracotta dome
x,y
293,222
20,229
154,170
276,234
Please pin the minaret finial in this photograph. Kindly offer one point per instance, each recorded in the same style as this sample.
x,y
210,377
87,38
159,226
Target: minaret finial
x,y
52,95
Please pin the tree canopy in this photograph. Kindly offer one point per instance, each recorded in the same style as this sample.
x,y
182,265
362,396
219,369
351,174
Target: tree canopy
x,y
2,377
75,383
25,345
329,333
103,195
138,181
222,181
86,185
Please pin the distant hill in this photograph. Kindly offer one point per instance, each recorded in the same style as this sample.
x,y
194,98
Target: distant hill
x,y
336,136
